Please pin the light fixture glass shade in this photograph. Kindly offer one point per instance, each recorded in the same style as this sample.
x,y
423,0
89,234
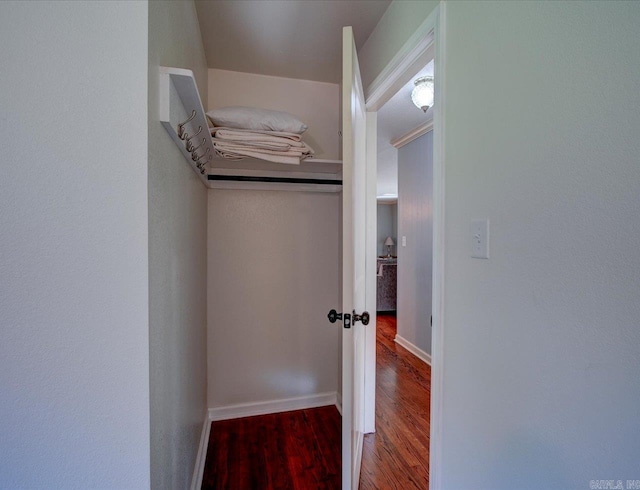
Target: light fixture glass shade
x,y
422,94
389,243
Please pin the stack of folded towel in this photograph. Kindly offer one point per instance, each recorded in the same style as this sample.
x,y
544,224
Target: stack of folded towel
x,y
241,132
274,146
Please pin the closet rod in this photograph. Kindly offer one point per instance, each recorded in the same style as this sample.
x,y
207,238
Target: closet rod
x,y
278,180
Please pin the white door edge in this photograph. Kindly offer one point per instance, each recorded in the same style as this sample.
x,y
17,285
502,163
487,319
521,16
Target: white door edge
x,y
370,277
354,273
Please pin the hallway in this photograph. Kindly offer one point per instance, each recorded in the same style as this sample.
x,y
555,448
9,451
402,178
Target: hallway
x,y
397,455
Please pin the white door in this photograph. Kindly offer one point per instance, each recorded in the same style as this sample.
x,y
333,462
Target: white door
x,y
354,180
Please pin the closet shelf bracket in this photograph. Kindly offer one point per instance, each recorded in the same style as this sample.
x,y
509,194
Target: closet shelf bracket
x,y
183,116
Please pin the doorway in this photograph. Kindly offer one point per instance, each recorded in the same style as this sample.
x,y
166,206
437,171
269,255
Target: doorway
x,y
423,47
403,269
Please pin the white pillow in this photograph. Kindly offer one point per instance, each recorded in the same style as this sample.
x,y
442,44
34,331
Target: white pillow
x,y
256,119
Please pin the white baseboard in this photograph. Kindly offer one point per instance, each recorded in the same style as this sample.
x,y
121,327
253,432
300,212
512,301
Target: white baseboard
x,y
272,406
416,351
198,472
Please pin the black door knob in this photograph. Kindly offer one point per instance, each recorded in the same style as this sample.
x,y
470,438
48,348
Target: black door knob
x,y
334,315
364,318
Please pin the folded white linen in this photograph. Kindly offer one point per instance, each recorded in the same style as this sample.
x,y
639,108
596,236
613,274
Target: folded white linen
x,y
289,160
247,135
231,146
239,152
273,146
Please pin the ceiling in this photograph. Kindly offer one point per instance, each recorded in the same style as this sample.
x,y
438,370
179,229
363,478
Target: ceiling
x,y
395,119
293,39
399,116
303,39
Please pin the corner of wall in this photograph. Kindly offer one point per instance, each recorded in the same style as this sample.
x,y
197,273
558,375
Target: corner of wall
x,y
177,252
396,26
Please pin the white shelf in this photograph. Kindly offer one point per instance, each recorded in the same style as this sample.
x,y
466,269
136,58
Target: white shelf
x,y
179,96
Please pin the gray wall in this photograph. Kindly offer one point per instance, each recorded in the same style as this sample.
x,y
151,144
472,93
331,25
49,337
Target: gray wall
x,y
74,354
541,385
387,226
415,221
396,26
177,262
274,260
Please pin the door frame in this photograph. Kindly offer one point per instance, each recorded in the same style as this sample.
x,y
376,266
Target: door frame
x,y
427,42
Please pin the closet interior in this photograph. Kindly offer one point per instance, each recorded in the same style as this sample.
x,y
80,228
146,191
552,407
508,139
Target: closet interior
x,y
273,244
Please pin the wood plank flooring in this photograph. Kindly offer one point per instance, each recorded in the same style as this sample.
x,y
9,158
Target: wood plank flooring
x,y
290,450
396,456
301,449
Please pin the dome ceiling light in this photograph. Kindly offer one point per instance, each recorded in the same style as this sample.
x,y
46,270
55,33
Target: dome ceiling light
x,y
422,93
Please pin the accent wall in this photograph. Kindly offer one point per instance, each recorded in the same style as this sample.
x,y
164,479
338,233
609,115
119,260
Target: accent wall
x,y
415,222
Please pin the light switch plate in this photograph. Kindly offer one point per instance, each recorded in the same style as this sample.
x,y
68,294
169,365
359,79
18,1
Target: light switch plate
x,y
480,239
404,241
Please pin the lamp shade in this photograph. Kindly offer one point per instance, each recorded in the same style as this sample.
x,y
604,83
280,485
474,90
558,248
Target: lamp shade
x,y
422,94
389,241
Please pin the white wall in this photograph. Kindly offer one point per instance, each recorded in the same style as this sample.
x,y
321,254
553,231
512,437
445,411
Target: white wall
x,y
315,103
541,385
398,23
388,172
274,259
387,226
415,221
177,262
74,354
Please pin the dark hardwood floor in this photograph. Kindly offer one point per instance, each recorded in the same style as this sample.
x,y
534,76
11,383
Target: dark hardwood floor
x,y
396,456
290,450
301,449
